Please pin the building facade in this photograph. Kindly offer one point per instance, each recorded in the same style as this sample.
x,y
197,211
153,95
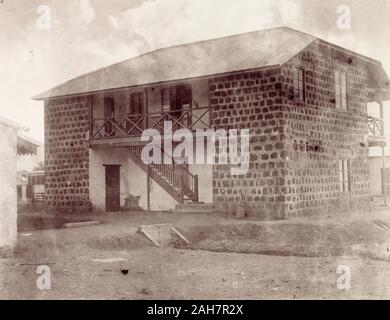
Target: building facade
x,y
11,146
8,150
303,100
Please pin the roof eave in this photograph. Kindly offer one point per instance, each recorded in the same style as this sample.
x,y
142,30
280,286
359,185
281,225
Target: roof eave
x,y
45,96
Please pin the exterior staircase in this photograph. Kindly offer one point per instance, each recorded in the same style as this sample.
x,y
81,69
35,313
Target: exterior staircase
x,y
175,179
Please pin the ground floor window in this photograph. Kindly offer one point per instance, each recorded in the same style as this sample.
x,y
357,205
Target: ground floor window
x,y
344,178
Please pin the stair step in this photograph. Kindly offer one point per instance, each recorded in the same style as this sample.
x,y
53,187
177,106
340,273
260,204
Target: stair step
x,y
377,199
194,207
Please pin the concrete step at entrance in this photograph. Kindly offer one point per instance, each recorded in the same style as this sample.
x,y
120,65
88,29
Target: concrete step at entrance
x,y
377,199
195,207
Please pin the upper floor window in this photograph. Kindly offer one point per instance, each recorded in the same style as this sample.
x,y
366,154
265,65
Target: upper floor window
x,y
341,89
109,112
166,99
299,84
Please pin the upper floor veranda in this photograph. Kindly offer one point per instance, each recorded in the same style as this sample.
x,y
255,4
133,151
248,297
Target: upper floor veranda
x,y
120,117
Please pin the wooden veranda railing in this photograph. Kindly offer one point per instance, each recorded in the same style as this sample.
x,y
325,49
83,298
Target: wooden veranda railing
x,y
375,127
134,125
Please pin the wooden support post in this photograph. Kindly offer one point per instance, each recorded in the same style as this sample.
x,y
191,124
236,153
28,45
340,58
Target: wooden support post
x,y
90,134
196,187
145,111
349,184
148,188
181,184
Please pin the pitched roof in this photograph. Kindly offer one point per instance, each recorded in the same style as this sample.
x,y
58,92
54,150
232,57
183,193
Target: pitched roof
x,y
9,123
25,145
270,47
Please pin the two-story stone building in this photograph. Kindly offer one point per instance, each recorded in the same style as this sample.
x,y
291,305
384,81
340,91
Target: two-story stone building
x,y
303,99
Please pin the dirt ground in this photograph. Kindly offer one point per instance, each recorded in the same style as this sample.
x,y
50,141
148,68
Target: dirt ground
x,y
226,259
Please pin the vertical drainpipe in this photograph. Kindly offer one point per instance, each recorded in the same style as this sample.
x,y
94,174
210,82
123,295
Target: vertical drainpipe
x,y
380,102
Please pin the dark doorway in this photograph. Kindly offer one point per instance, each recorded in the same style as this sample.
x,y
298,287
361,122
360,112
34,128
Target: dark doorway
x,y
181,100
112,188
136,103
181,96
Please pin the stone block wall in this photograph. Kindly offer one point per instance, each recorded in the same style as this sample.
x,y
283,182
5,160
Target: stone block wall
x,y
318,134
295,147
67,154
254,101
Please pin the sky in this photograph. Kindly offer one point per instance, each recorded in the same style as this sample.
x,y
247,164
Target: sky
x,y
44,43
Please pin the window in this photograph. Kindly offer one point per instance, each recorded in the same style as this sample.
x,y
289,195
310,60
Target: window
x,y
314,146
341,89
165,99
299,84
109,107
181,97
176,98
109,113
344,175
136,103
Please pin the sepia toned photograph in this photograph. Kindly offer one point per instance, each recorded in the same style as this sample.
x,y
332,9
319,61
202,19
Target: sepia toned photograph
x,y
195,150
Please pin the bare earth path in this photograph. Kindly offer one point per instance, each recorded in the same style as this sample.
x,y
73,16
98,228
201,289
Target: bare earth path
x,y
146,272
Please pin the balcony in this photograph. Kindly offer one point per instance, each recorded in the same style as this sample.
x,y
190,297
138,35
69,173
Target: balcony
x,y
128,129
376,135
375,127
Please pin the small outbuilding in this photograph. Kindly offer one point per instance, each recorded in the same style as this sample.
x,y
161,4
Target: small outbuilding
x,y
10,145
